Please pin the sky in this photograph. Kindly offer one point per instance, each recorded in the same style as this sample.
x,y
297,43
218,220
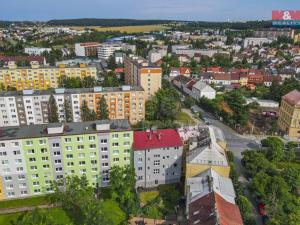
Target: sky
x,y
199,10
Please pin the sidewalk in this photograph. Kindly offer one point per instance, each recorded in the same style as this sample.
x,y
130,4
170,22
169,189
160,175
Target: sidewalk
x,y
24,209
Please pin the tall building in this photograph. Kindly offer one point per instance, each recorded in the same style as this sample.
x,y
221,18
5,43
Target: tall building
x,y
140,72
157,157
33,156
29,107
108,49
274,33
86,49
41,78
157,54
289,114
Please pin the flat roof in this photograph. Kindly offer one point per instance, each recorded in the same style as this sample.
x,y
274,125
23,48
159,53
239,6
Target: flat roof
x,y
70,91
38,131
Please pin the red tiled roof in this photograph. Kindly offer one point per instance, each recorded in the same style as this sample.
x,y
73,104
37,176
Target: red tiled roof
x,y
156,139
216,69
227,213
292,97
184,70
225,76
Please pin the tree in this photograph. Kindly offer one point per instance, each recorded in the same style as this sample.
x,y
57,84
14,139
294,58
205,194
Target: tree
x,y
275,150
245,207
111,63
86,113
189,102
35,217
77,197
88,82
68,111
122,188
102,113
110,80
52,110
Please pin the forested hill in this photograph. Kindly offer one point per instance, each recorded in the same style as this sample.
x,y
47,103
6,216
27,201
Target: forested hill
x,y
105,22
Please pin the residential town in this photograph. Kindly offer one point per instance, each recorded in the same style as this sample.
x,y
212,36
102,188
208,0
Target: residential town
x,y
193,124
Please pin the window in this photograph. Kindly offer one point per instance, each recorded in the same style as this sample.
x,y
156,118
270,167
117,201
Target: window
x,y
21,177
81,155
47,166
44,150
116,159
93,162
156,171
3,153
103,141
126,135
70,164
56,153
30,151
127,151
140,177
17,152
126,158
93,154
92,138
33,167
32,159
55,145
57,161
140,168
69,156
81,163
104,149
115,136
68,148
126,143
115,144
140,160
2,145
80,147
104,156
104,164
19,169
79,139
156,162
92,146
34,176
67,140
45,158
115,152
29,143
42,141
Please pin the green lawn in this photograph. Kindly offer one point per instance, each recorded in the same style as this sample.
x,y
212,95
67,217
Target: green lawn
x,y
184,118
111,208
60,217
148,196
34,201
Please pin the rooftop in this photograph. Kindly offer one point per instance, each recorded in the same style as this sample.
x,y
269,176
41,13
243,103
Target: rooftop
x,y
156,139
36,131
71,91
292,97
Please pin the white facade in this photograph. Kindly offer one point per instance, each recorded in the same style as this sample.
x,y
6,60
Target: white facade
x,y
201,89
256,41
36,51
8,112
157,54
108,49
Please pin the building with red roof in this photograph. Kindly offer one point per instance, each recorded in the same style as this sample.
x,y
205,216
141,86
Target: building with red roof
x,y
32,58
157,157
210,200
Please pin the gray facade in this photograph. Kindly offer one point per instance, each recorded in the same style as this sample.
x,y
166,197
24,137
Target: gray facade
x,y
154,167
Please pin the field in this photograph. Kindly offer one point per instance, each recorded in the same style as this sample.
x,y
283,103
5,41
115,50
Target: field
x,y
127,29
185,119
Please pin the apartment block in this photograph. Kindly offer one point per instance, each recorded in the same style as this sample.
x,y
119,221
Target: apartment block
x,y
30,107
108,49
289,114
140,72
33,156
157,157
86,49
41,78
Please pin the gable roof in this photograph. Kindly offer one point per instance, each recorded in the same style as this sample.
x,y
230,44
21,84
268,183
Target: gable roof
x,y
201,86
156,139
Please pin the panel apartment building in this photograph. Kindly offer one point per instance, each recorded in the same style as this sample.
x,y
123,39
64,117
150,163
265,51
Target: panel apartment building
x,y
41,78
140,72
33,156
30,107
